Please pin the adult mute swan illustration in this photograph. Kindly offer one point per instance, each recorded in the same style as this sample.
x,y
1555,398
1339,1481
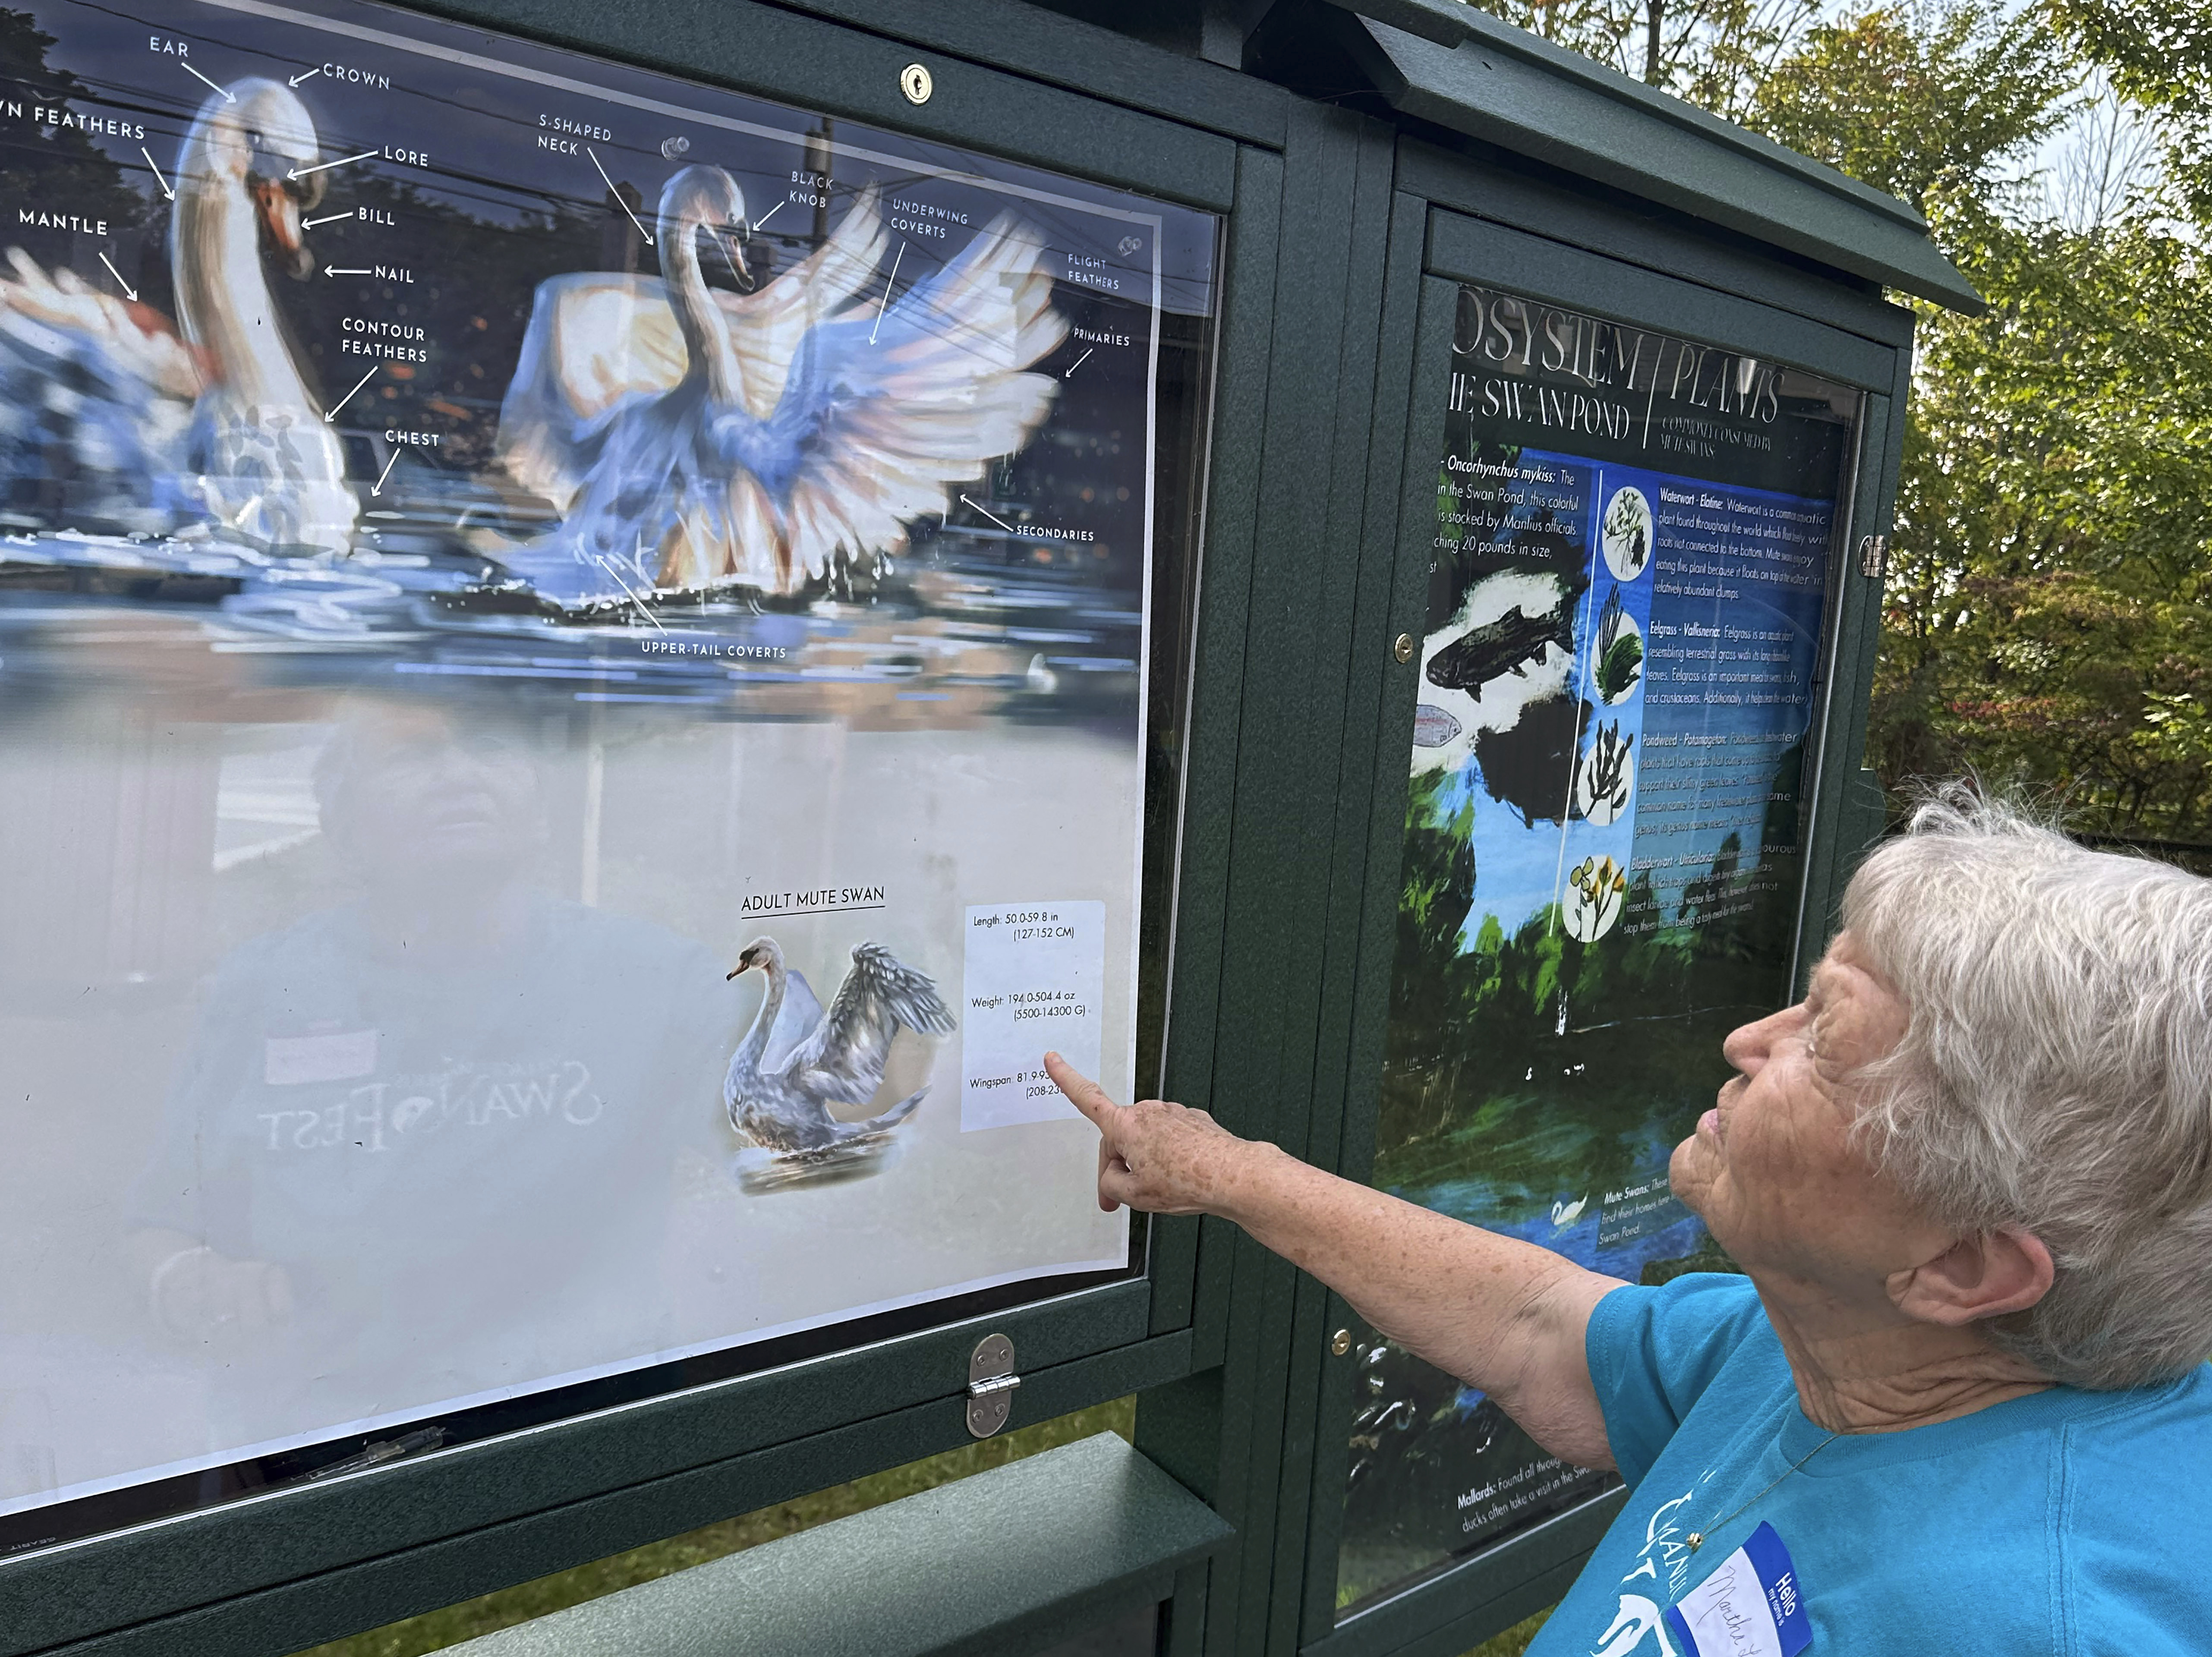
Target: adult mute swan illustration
x,y
696,438
796,1061
160,434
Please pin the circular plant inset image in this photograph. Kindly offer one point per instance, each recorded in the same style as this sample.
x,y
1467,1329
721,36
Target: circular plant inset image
x,y
1596,890
1606,780
1625,533
1617,653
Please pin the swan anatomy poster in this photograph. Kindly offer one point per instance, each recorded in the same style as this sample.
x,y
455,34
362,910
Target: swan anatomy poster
x,y
1603,845
575,663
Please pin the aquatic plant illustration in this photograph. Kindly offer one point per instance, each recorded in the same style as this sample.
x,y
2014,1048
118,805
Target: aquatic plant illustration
x,y
1625,533
1598,886
1605,775
1619,657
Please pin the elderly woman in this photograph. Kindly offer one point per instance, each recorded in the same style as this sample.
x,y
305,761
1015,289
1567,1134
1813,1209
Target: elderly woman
x,y
1958,1402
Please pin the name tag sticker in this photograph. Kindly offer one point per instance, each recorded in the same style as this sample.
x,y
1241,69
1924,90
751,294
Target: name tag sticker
x,y
1750,1606
290,1060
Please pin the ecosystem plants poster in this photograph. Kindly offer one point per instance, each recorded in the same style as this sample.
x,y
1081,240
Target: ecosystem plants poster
x,y
575,664
1602,858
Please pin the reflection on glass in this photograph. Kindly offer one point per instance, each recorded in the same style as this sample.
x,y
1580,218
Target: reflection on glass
x,y
449,1055
1603,849
491,543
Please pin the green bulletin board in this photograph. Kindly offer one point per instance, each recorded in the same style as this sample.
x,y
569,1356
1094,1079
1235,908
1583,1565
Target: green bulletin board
x,y
1193,570
1603,854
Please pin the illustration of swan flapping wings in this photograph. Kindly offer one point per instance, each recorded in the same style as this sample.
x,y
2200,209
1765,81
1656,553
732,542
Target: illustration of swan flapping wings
x,y
796,1061
697,437
110,422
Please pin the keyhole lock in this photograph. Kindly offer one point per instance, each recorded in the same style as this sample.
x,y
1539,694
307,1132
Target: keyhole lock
x,y
1403,648
1340,1342
915,82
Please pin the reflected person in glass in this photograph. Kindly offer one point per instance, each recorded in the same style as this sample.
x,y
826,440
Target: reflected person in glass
x,y
1959,1401
423,1146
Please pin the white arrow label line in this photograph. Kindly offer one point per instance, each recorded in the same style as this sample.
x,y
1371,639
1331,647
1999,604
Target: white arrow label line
x,y
348,397
377,488
619,197
197,75
309,76
344,270
770,213
158,178
608,564
886,300
986,512
325,166
327,218
129,292
1078,362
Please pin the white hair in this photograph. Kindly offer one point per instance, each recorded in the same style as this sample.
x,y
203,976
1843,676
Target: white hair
x,y
2056,1073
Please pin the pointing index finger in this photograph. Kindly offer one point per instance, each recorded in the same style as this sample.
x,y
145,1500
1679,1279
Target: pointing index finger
x,y
1085,1094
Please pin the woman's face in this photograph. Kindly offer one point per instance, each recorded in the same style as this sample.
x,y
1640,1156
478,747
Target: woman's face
x,y
1771,1168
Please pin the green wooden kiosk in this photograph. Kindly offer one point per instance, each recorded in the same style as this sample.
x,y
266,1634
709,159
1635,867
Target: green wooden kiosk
x,y
1514,448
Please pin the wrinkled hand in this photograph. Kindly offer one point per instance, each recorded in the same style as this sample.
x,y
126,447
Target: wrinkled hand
x,y
1160,1157
200,1295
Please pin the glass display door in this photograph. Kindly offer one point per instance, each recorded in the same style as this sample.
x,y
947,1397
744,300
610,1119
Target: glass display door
x,y
1627,604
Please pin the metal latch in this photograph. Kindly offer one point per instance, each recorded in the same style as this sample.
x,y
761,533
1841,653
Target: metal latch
x,y
990,1383
1873,556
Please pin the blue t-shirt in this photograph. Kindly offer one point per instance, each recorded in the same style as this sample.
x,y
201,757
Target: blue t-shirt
x,y
2067,1522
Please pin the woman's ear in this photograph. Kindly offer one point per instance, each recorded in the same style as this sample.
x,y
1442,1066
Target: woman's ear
x,y
1986,1275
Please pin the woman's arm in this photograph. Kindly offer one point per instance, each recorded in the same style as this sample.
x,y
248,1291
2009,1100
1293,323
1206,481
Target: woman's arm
x,y
1506,1316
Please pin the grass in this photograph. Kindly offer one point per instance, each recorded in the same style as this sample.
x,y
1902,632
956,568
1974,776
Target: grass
x,y
435,1631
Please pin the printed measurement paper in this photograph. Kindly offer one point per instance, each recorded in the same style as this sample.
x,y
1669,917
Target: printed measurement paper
x,y
1034,974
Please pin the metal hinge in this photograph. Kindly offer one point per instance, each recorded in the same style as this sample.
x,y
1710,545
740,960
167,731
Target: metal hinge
x,y
1873,556
990,1383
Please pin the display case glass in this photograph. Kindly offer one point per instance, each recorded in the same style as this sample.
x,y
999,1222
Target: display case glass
x,y
1627,602
588,676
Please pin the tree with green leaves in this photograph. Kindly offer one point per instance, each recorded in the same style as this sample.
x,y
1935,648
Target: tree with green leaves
x,y
2157,54
2048,622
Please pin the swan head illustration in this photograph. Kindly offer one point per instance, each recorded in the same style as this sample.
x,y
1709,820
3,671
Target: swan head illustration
x,y
250,140
764,953
706,198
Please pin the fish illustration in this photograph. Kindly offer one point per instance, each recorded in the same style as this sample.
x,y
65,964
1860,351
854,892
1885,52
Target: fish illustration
x,y
1432,726
1508,645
